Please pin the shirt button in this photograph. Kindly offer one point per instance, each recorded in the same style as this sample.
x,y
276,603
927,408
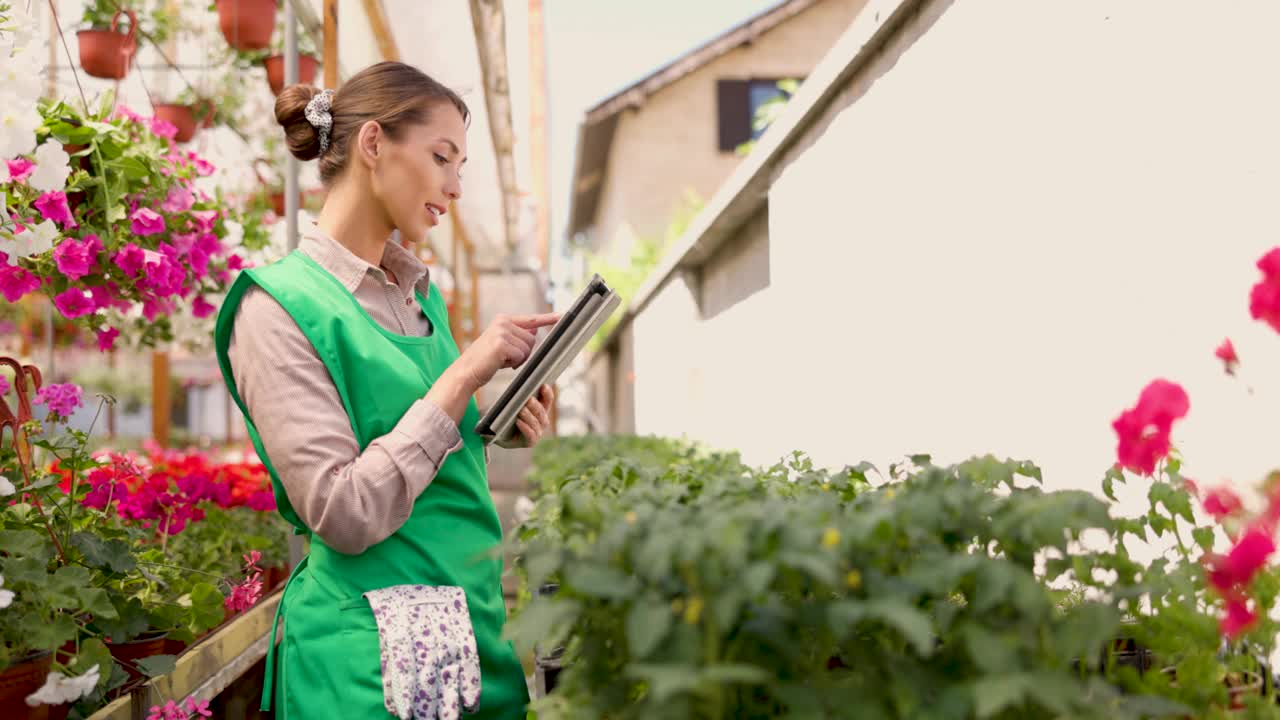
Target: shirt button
x,y
408,301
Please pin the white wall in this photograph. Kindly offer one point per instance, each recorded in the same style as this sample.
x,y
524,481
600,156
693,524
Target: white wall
x,y
1038,208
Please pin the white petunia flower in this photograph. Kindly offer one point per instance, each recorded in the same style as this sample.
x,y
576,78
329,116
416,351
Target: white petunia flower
x,y
20,73
6,488
59,689
19,119
18,27
33,241
52,168
6,596
523,509
235,233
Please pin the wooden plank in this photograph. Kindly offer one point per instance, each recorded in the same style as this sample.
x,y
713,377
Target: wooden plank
x,y
161,402
377,14
330,43
207,668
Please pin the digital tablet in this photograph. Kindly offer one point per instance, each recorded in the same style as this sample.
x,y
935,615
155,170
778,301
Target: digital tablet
x,y
567,337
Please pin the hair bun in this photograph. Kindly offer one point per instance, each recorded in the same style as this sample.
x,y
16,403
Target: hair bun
x,y
291,112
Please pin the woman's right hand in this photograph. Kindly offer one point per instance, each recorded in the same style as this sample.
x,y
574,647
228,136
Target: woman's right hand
x,y
506,343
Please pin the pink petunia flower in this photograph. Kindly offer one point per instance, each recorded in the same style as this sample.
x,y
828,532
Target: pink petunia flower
x,y
53,206
107,339
145,221
130,259
179,200
74,303
20,169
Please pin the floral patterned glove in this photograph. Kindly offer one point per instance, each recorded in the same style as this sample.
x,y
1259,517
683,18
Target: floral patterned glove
x,y
430,667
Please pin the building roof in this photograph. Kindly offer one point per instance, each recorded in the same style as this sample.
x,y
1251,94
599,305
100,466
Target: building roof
x,y
742,194
595,133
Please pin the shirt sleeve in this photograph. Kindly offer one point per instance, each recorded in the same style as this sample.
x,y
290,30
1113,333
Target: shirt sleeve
x,y
351,499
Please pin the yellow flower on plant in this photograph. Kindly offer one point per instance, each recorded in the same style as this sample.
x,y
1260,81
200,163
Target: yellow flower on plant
x,y
830,537
853,579
693,611
630,517
677,606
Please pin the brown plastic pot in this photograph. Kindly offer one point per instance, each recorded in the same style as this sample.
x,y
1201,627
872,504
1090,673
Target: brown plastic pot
x,y
247,24
183,117
20,680
275,71
129,653
109,53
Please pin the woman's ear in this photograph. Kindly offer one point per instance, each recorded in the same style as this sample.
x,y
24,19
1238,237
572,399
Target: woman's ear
x,y
369,141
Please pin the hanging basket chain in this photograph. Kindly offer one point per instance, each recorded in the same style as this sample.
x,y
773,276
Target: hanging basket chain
x,y
74,72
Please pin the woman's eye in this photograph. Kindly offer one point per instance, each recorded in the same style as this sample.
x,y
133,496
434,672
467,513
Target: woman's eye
x,y
441,159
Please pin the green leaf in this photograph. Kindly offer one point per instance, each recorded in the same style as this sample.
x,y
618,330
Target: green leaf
x,y
914,625
1203,537
737,674
131,167
545,621
26,543
664,680
64,588
599,581
539,566
93,652
96,602
116,213
812,565
647,624
99,553
991,652
157,665
995,693
49,635
206,606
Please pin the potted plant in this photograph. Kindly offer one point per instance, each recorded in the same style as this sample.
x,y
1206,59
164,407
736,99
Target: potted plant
x,y
183,118
141,216
106,51
274,61
247,24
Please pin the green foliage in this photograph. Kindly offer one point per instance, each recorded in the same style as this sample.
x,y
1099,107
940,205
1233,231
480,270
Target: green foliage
x,y
627,277
686,584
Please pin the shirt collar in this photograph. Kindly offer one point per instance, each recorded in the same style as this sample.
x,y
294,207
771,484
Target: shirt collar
x,y
350,269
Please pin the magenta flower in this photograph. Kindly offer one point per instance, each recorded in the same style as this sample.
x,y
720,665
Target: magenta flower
x,y
155,307
16,282
124,112
181,243
203,167
202,308
262,501
163,276
74,302
162,128
53,206
4,385
179,200
107,339
198,707
205,219
130,259
73,258
235,262
62,399
20,169
146,221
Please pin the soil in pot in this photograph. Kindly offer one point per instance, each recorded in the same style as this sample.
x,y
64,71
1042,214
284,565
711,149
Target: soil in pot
x,y
247,24
20,680
183,117
107,52
275,71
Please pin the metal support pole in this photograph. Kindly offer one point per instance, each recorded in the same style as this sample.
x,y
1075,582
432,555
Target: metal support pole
x,y
291,163
291,193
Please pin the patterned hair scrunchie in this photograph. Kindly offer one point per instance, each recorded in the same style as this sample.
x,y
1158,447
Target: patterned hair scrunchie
x,y
319,116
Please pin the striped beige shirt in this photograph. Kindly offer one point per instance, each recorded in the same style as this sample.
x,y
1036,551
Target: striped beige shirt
x,y
351,499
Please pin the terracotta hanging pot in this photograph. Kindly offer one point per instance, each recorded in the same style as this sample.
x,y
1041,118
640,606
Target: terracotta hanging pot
x,y
274,194
109,53
183,117
275,71
129,653
247,24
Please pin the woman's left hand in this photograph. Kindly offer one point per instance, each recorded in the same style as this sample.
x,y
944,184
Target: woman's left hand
x,y
534,420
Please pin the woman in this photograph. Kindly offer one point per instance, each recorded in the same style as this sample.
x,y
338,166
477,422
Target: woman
x,y
360,405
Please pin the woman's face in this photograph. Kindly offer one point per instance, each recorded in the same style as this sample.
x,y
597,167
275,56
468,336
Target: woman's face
x,y
418,176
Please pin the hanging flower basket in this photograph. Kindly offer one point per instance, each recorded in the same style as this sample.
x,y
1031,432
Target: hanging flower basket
x,y
182,117
247,24
108,53
275,71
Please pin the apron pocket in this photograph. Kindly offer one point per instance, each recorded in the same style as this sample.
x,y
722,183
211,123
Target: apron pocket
x,y
430,668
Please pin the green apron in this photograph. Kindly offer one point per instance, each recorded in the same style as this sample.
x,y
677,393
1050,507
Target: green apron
x,y
328,663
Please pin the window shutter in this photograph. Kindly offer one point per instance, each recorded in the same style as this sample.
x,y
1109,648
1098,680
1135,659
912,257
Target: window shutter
x,y
733,105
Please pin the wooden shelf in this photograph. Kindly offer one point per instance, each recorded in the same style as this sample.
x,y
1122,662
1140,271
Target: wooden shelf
x,y
206,668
